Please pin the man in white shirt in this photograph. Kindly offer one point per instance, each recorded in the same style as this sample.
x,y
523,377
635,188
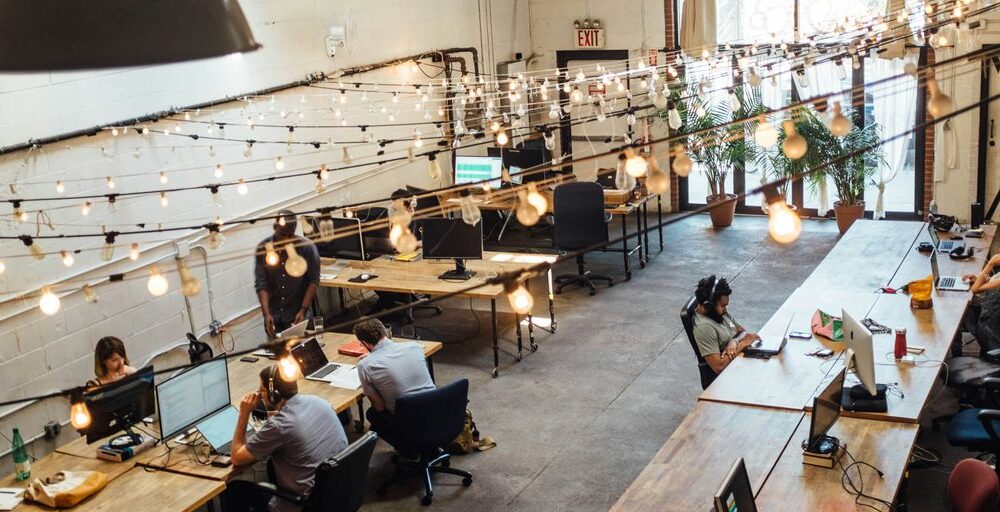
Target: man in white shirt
x,y
390,370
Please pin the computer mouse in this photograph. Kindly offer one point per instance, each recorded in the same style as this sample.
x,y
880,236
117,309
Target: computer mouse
x,y
758,343
365,277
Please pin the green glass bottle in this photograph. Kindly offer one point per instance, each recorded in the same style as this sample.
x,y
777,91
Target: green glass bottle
x,y
22,465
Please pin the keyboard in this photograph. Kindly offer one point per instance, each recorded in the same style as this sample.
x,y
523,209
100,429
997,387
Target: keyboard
x,y
946,246
324,371
946,282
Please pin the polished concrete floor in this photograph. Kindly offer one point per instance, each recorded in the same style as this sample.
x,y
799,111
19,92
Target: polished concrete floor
x,y
576,421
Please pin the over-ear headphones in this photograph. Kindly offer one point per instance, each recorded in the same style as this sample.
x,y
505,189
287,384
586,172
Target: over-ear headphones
x,y
709,302
273,395
961,253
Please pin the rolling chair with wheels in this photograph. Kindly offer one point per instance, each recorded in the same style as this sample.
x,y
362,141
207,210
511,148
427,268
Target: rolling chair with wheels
x,y
340,482
687,319
580,221
973,486
428,420
978,429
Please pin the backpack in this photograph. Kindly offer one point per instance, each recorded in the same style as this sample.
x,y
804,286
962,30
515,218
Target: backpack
x,y
468,439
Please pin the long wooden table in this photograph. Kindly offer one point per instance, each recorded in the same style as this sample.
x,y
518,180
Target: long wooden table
x,y
421,277
867,257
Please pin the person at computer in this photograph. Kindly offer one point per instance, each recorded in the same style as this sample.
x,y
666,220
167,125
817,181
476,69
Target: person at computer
x,y
719,337
982,318
110,362
390,370
284,299
300,433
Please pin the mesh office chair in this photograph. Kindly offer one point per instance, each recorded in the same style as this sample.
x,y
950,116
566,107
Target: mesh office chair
x,y
687,319
580,221
428,420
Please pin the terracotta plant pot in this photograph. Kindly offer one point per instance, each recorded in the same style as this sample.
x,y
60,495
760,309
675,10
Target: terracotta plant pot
x,y
846,215
722,216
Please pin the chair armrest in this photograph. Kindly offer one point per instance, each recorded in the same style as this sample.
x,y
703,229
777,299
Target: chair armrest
x,y
992,383
987,417
274,490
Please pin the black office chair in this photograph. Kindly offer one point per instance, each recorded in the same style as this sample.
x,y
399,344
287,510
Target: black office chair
x,y
580,221
687,319
340,482
198,350
427,421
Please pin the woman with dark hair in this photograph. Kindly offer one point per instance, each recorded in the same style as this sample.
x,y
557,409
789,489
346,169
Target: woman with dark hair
x,y
719,337
110,361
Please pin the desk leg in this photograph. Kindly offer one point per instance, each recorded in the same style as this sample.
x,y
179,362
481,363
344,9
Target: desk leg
x,y
496,346
628,272
659,219
359,424
517,325
645,228
552,306
638,236
531,326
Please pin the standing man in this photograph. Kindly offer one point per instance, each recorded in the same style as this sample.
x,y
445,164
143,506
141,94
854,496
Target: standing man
x,y
285,300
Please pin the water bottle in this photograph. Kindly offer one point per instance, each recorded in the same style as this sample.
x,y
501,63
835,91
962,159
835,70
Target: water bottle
x,y
22,466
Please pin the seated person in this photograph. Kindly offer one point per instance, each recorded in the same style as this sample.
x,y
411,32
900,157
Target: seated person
x,y
390,370
982,318
715,330
301,432
110,362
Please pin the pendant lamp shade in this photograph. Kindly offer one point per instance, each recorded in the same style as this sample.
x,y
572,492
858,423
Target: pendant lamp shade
x,y
54,35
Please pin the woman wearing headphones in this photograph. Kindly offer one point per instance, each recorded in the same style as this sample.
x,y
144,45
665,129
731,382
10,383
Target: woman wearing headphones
x,y
718,336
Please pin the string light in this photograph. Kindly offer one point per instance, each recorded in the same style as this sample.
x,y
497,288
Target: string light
x,y
940,103
502,138
218,171
60,188
433,168
19,214
89,294
635,165
526,213
111,182
157,285
133,251
163,199
288,368
190,285
470,211
85,209
520,298
270,255
67,258
795,145
279,164
783,224
3,266
49,302
295,265
163,178
108,251
536,199
215,237
682,164
34,248
765,134
241,189
839,124
79,415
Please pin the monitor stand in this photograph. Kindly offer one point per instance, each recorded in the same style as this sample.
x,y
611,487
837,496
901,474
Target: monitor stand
x,y
459,274
825,445
858,399
131,438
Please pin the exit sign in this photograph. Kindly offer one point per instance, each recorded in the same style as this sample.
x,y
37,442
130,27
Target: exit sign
x,y
589,37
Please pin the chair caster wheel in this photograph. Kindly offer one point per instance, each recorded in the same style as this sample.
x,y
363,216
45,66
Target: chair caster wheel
x,y
426,500
467,481
380,492
496,372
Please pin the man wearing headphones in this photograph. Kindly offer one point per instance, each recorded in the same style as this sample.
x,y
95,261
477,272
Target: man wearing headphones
x,y
718,336
301,432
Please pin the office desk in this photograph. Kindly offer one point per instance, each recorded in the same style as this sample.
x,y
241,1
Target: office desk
x,y
788,380
793,485
866,257
917,265
421,276
686,472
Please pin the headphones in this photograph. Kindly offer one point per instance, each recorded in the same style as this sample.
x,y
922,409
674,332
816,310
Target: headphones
x,y
961,253
709,302
273,395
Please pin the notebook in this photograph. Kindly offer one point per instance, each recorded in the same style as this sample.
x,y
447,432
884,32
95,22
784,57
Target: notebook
x,y
352,349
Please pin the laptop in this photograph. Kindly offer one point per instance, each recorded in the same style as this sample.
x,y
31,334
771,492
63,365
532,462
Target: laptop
x,y
943,245
295,331
313,362
735,494
770,346
947,283
218,428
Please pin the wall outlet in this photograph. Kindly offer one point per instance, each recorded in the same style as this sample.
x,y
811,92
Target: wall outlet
x,y
182,249
52,430
215,328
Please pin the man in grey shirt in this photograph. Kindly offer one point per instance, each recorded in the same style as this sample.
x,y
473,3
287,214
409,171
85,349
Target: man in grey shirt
x,y
285,299
389,371
301,432
714,328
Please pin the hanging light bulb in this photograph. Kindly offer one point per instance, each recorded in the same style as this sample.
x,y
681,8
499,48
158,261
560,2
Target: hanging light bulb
x,y
216,196
133,251
526,213
241,189
157,285
326,231
682,164
218,170
470,212
657,181
520,298
346,159
163,178
795,145
19,214
111,182
295,265
190,285
433,168
108,251
85,209
407,241
88,292
67,258
839,124
635,165
270,255
288,368
163,199
49,302
3,267
33,247
783,224
215,238
940,103
765,134
279,164
60,188
673,116
502,138
576,96
417,141
536,199
79,415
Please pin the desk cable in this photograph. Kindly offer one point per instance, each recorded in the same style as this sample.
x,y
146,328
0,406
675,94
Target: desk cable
x,y
858,489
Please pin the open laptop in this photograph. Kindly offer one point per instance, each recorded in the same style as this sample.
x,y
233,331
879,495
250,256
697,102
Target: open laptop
x,y
295,331
735,494
313,362
943,245
218,428
770,346
948,283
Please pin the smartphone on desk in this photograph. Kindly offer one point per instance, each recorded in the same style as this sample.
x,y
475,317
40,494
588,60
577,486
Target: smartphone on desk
x,y
802,335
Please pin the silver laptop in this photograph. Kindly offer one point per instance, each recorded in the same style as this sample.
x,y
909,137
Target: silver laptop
x,y
770,346
295,331
943,245
953,283
218,429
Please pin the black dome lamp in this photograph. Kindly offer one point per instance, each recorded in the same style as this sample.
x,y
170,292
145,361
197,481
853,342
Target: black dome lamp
x,y
56,35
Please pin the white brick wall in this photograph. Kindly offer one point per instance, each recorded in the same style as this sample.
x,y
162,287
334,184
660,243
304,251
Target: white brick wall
x,y
40,354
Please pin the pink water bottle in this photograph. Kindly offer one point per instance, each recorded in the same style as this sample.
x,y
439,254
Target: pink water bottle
x,y
900,350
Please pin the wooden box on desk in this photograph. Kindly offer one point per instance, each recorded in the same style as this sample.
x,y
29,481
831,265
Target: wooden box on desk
x,y
615,197
824,460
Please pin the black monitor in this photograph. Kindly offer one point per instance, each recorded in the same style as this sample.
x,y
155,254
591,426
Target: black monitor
x,y
118,406
517,160
427,206
452,239
824,415
347,241
191,396
736,494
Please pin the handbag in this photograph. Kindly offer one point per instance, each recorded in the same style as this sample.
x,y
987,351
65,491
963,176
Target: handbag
x,y
825,324
66,488
468,439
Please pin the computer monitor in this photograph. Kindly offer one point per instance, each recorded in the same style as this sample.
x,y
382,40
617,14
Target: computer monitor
x,y
858,341
452,239
118,406
522,159
472,169
192,396
824,415
735,494
347,242
835,389
427,205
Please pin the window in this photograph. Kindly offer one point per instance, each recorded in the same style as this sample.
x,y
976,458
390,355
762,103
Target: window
x,y
744,21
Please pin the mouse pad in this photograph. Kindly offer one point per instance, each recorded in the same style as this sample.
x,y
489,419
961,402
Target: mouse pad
x,y
357,279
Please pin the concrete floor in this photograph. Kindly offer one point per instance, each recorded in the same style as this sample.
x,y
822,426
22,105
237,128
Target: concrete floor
x,y
578,420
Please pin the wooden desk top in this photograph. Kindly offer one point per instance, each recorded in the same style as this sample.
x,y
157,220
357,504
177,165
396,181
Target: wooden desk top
x,y
421,276
793,485
56,462
917,265
866,257
686,472
788,380
509,203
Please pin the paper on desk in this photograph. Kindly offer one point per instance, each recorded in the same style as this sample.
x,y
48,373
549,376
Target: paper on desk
x,y
346,378
10,497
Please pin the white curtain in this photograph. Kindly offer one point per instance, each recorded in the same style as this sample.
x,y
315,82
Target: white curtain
x,y
821,80
894,112
698,34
